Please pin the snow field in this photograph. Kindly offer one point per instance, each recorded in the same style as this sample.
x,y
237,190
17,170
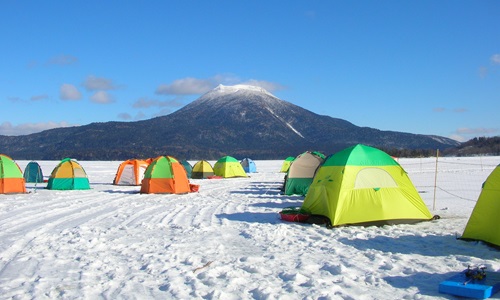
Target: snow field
x,y
227,241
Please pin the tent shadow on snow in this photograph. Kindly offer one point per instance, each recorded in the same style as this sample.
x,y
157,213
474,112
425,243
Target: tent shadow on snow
x,y
426,283
256,192
40,186
258,188
278,205
430,245
251,217
121,192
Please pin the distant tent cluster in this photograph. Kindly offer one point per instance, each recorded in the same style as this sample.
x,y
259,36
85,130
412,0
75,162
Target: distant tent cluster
x,y
67,175
161,175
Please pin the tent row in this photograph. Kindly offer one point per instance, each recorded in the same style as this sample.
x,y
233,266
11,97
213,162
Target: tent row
x,y
163,174
68,174
131,172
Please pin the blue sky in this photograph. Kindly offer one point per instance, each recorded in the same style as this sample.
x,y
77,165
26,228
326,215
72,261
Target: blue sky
x,y
426,67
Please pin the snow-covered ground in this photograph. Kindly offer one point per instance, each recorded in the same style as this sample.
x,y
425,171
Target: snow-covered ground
x,y
227,241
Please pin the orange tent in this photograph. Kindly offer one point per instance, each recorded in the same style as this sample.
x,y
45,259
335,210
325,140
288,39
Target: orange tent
x,y
131,172
11,176
165,175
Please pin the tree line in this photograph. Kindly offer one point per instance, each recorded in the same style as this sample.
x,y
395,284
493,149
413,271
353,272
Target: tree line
x,y
475,146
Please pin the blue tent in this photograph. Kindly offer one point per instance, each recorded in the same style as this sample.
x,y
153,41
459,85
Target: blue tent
x,y
33,172
248,165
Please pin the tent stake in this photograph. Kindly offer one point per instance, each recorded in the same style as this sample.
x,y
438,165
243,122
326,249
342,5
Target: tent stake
x,y
435,180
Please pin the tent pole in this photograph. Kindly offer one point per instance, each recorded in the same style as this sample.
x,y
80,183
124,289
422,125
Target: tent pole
x,y
435,180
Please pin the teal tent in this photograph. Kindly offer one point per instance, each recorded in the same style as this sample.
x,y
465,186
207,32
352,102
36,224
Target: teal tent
x,y
187,166
33,172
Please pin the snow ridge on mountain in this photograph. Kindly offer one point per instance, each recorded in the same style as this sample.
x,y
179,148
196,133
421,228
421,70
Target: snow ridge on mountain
x,y
237,95
239,88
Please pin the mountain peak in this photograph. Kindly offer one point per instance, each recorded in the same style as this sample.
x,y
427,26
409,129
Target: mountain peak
x,y
238,88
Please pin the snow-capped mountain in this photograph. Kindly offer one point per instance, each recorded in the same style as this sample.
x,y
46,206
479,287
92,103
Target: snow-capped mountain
x,y
241,121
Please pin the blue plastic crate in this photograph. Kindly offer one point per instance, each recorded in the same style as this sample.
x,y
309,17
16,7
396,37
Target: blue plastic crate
x,y
460,285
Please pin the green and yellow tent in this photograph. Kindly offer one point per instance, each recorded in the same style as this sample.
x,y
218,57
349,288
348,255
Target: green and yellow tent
x,y
301,172
362,185
165,175
229,166
202,169
68,175
483,222
286,164
11,176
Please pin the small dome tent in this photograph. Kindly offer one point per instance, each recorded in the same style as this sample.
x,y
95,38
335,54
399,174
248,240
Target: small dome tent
x,y
68,175
483,222
11,176
362,185
228,167
202,169
286,164
33,173
165,175
187,166
248,165
131,172
301,172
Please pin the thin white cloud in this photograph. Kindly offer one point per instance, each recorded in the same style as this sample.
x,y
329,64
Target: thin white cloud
x,y
15,99
102,97
69,92
477,131
147,103
62,60
140,116
93,83
124,116
39,97
6,128
196,86
128,117
495,58
455,110
186,86
267,85
464,134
